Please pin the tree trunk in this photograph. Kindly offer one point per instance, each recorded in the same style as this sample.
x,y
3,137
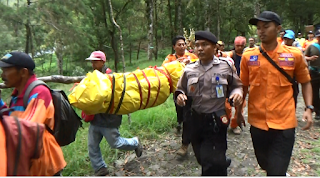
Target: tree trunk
x,y
28,30
179,17
150,25
207,15
59,54
114,49
156,29
50,62
170,21
138,50
257,8
120,33
218,19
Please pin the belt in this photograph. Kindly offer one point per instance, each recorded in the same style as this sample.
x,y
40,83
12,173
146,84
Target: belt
x,y
211,118
217,114
316,69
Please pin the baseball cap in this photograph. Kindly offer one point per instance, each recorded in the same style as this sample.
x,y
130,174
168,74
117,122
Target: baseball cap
x,y
266,16
310,32
19,59
206,35
220,43
317,33
299,33
289,34
97,56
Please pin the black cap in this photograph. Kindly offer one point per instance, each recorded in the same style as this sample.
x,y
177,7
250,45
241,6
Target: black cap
x,y
266,16
205,35
18,59
317,33
299,33
310,32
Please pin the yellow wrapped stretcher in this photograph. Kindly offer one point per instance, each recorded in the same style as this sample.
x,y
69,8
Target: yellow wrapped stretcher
x,y
124,93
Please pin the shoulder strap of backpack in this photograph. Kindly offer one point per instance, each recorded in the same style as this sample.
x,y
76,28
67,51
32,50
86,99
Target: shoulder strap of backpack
x,y
29,89
18,151
234,55
316,45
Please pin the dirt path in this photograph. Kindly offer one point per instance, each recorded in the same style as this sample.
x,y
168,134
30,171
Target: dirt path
x,y
159,157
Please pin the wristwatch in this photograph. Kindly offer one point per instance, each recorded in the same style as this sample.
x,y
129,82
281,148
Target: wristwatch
x,y
309,107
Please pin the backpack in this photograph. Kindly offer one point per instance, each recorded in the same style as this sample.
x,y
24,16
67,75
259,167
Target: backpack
x,y
66,120
23,143
316,45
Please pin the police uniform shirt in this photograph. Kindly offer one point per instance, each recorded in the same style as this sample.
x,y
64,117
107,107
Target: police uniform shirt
x,y
199,82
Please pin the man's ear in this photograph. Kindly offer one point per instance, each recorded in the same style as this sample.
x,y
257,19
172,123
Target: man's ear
x,y
24,72
279,27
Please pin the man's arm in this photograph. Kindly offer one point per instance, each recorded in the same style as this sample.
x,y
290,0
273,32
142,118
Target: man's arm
x,y
236,89
308,56
180,95
307,96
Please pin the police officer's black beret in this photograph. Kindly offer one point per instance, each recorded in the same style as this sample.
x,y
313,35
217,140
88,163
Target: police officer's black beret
x,y
205,35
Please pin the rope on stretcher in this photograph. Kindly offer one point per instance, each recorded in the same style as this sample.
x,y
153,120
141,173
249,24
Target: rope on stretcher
x,y
140,91
113,80
122,94
145,76
159,86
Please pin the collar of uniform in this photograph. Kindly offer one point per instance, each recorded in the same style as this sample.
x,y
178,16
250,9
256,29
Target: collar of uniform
x,y
278,49
214,61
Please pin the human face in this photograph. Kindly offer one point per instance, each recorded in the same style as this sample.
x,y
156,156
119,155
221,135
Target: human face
x,y
180,47
311,36
239,48
206,50
282,34
251,42
288,41
268,31
221,47
11,76
97,65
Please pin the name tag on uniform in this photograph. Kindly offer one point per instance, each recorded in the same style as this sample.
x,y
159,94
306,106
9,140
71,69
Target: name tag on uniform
x,y
286,59
253,61
219,91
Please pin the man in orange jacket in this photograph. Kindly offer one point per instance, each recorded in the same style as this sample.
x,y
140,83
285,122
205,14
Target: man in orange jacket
x,y
18,72
309,41
179,45
271,105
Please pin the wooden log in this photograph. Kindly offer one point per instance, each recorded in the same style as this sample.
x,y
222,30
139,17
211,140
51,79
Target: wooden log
x,y
57,79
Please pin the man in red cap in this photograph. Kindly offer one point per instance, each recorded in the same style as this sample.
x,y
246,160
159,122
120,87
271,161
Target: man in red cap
x,y
271,105
236,54
105,125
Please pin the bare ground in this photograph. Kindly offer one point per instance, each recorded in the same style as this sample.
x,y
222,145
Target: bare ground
x,y
160,159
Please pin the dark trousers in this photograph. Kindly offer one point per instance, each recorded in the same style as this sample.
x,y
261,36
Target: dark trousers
x,y
273,149
209,142
183,116
315,82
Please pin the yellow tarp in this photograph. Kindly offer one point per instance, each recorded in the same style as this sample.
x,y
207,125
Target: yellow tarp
x,y
133,91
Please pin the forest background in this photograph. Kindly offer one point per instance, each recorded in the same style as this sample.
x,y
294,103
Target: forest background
x,y
60,34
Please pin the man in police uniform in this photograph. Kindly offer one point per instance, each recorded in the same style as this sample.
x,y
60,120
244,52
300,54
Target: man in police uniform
x,y
271,106
206,82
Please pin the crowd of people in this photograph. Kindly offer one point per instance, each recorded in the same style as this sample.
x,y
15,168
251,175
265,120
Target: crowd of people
x,y
214,81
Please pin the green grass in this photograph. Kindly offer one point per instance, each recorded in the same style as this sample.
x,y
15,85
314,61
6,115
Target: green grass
x,y
146,124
